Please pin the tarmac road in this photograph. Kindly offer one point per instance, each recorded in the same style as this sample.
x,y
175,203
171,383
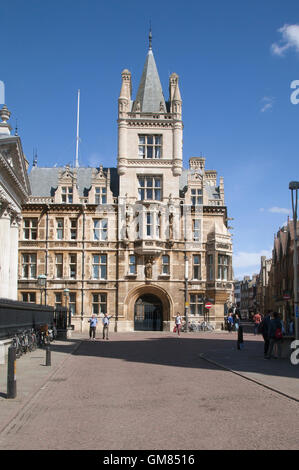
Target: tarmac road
x,y
153,391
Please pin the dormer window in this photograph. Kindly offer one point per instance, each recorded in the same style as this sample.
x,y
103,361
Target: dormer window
x,y
196,196
150,146
100,195
67,194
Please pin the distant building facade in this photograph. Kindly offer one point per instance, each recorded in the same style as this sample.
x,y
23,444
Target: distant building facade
x,y
248,296
278,274
141,241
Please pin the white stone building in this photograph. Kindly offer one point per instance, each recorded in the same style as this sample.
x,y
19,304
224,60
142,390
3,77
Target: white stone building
x,y
14,191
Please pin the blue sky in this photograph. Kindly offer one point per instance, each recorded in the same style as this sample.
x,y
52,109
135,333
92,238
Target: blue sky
x,y
236,61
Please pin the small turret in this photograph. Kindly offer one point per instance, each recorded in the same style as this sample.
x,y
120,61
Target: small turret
x,y
124,99
4,126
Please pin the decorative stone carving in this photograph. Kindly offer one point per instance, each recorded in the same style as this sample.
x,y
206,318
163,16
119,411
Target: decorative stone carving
x,y
148,269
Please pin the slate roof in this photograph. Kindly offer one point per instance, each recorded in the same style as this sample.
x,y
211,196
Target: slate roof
x,y
150,92
44,181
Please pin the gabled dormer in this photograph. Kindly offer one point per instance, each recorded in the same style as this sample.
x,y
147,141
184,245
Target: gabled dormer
x,y
100,192
67,189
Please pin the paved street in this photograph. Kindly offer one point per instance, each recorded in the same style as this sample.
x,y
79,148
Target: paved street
x,y
153,391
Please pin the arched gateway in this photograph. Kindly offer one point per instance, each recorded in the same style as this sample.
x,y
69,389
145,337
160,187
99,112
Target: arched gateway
x,y
148,313
149,308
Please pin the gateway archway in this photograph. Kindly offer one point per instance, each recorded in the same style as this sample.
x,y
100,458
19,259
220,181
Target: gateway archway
x,y
148,313
146,300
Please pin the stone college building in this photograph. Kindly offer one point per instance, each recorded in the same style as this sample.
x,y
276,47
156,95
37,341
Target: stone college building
x,y
142,241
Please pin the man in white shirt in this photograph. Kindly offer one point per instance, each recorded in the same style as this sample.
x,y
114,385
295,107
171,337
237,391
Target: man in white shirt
x,y
106,321
178,323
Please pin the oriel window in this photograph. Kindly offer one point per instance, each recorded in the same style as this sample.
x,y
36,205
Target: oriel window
x,y
158,225
210,267
149,224
223,265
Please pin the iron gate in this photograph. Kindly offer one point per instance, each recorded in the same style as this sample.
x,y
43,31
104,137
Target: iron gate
x,y
148,315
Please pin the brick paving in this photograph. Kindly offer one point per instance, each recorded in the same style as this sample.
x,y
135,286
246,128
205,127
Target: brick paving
x,y
152,391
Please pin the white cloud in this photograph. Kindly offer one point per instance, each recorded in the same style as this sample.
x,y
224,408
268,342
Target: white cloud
x,y
95,159
290,38
268,103
245,259
279,210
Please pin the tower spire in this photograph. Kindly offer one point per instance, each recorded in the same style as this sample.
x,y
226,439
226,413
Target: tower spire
x,y
150,37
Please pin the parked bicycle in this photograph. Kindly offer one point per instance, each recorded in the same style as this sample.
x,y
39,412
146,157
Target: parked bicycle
x,y
206,326
16,343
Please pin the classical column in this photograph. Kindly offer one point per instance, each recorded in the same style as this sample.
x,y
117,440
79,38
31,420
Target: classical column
x,y
13,265
4,253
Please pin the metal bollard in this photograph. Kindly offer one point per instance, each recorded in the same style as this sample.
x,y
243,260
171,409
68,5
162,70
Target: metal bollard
x,y
11,373
48,355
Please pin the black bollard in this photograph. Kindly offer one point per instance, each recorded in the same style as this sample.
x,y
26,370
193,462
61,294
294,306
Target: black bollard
x,y
48,355
11,373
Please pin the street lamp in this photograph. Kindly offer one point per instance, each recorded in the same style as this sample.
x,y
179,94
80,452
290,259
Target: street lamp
x,y
41,282
67,295
186,290
294,186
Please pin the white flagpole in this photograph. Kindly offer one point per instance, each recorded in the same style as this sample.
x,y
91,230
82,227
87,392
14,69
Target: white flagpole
x,y
77,139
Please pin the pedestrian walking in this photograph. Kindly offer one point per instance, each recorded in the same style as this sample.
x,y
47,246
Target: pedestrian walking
x,y
230,322
275,336
106,321
264,329
291,328
236,322
92,326
257,320
178,323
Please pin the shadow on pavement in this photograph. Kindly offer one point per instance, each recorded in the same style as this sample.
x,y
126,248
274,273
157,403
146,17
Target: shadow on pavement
x,y
185,351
